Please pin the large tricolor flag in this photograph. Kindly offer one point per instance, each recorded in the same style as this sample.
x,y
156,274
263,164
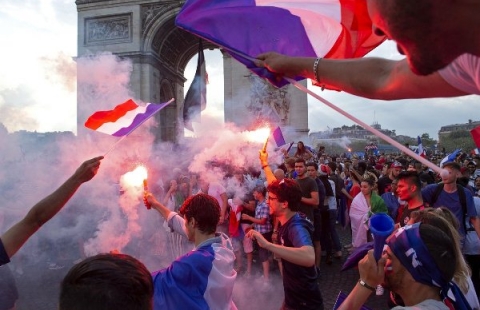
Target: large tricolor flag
x,y
124,118
306,28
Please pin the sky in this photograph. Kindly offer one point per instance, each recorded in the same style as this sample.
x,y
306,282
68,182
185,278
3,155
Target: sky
x,y
37,84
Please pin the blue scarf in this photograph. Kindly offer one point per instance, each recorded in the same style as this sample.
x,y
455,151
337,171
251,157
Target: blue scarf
x,y
412,253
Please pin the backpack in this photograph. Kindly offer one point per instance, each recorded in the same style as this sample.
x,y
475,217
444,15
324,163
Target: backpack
x,y
463,202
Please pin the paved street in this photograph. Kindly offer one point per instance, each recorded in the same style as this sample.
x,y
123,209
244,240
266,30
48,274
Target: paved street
x,y
40,291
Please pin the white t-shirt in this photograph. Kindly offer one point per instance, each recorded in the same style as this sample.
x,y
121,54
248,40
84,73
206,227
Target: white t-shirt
x,y
463,73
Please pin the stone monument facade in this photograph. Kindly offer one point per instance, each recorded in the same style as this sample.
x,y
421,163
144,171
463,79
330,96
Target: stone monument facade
x,y
145,32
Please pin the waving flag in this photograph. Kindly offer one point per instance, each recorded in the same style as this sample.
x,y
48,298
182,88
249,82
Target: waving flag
x,y
475,132
278,137
450,157
306,28
420,150
124,118
196,98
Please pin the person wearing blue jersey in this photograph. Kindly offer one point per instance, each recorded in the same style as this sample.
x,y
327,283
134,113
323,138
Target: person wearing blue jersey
x,y
204,277
293,246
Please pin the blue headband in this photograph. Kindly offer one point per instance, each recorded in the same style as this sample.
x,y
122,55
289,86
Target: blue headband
x,y
408,247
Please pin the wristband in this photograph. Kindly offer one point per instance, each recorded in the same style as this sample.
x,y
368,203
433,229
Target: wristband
x,y
264,166
315,69
365,285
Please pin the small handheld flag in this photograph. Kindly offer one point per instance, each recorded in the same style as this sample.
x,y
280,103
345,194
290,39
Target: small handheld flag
x,y
124,118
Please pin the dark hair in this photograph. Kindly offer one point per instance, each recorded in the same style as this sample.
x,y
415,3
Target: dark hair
x,y
107,281
411,177
453,165
260,189
441,247
332,165
300,160
204,209
314,164
362,165
287,190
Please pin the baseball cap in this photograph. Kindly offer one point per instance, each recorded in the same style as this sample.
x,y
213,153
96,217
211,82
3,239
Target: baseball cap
x,y
396,164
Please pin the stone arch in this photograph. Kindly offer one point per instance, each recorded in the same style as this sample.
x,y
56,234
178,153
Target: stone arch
x,y
160,52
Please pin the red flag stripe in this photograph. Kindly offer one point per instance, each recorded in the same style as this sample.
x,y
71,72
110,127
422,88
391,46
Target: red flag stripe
x,y
99,118
475,132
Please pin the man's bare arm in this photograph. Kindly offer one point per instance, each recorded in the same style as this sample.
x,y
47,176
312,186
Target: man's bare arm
x,y
45,209
368,77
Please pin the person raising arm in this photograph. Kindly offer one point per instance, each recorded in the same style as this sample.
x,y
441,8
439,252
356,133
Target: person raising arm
x,y
45,209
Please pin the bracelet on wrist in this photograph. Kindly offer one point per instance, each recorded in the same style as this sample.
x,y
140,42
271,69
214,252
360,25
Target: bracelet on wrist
x,y
365,285
316,80
264,166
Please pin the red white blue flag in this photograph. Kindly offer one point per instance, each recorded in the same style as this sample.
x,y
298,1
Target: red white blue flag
x,y
420,149
475,132
124,118
305,28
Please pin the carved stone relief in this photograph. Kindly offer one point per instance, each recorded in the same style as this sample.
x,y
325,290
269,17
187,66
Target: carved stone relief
x,y
268,103
108,29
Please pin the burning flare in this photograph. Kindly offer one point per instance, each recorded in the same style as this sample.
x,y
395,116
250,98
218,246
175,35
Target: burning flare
x,y
136,178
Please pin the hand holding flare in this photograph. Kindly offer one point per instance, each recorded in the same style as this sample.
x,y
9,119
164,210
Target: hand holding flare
x,y
145,193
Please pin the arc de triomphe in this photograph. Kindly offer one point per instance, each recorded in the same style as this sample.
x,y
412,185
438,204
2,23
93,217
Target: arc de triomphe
x,y
145,32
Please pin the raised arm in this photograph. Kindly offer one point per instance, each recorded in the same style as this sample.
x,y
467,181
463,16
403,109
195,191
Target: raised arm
x,y
45,209
175,221
369,77
263,155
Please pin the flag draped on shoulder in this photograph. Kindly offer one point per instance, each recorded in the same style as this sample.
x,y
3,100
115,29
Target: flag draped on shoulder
x,y
196,98
305,28
124,118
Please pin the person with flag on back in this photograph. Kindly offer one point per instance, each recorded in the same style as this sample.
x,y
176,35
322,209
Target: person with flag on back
x,y
436,36
204,277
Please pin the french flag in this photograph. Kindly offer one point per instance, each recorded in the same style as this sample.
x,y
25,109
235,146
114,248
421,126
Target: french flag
x,y
475,132
450,157
420,149
304,28
124,118
278,137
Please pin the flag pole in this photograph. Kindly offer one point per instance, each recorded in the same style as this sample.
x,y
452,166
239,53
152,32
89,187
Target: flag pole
x,y
114,145
376,132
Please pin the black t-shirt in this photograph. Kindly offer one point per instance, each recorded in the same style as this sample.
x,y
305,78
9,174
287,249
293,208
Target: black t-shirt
x,y
307,185
406,214
299,283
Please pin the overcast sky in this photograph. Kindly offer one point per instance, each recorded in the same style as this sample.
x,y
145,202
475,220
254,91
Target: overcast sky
x,y
39,37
